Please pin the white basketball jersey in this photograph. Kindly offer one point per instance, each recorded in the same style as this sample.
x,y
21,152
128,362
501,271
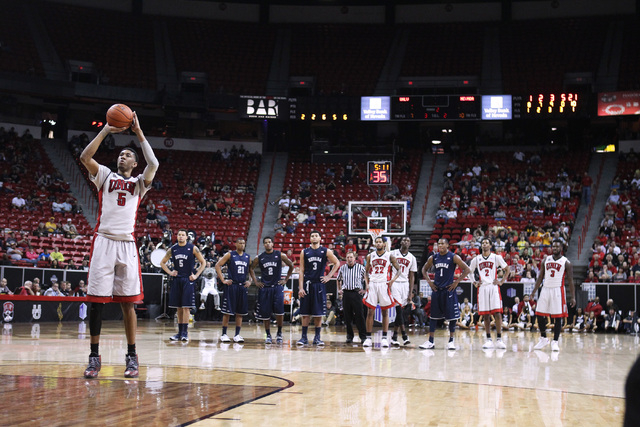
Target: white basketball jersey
x,y
554,272
487,267
407,264
380,267
119,198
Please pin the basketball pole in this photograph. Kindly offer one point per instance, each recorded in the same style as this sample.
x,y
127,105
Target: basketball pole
x,y
165,289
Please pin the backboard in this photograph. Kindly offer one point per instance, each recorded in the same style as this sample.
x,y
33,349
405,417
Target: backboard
x,y
388,216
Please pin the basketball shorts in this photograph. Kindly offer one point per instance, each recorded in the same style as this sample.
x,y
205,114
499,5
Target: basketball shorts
x,y
183,293
235,300
314,304
489,299
114,272
378,293
400,293
444,305
552,302
270,301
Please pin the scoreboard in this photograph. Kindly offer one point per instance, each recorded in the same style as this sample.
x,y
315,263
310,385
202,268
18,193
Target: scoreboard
x,y
436,107
550,105
542,105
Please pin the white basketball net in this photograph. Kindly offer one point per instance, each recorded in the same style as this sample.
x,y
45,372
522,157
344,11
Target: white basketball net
x,y
378,232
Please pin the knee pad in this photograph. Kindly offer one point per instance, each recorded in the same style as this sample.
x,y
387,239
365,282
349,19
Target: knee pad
x,y
95,318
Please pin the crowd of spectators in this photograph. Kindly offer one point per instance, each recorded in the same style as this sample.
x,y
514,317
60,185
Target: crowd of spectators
x,y
615,251
483,190
54,288
317,195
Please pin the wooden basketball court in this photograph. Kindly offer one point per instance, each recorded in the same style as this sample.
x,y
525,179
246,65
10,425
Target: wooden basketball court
x,y
205,382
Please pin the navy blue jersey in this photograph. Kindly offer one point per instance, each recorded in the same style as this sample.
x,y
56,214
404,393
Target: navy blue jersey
x,y
183,259
445,268
315,261
238,267
270,268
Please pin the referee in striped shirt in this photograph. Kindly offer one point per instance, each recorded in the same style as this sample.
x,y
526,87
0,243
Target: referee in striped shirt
x,y
350,281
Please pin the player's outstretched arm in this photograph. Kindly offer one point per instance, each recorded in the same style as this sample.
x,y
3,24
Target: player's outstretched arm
x,y
165,267
152,162
252,273
367,272
336,266
425,273
301,292
538,282
222,261
288,263
86,157
473,265
201,267
247,282
395,264
465,272
506,273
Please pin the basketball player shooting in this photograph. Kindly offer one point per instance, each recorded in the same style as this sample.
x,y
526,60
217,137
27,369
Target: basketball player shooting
x,y
114,272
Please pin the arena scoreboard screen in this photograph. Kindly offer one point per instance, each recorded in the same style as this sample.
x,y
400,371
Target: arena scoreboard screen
x,y
379,172
436,107
549,105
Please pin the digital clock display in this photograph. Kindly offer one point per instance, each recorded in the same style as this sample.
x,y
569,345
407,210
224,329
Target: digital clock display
x,y
549,105
323,109
435,107
379,172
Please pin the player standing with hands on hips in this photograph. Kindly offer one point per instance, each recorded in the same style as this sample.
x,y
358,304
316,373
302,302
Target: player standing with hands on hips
x,y
114,272
488,285
378,287
444,300
401,289
311,290
271,283
235,301
552,300
183,256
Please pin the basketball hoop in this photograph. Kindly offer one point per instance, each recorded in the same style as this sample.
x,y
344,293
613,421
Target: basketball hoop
x,y
377,232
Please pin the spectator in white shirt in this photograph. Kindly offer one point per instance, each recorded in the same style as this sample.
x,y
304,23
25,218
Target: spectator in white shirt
x,y
452,213
57,206
53,291
18,202
519,156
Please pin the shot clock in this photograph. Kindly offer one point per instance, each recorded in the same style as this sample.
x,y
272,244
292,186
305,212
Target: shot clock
x,y
379,172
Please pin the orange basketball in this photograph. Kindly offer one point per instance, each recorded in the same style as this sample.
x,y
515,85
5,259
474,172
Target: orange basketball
x,y
120,116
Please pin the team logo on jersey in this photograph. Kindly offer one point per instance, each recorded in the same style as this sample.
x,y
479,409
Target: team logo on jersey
x,y
122,185
36,311
553,266
403,261
485,265
378,261
8,311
